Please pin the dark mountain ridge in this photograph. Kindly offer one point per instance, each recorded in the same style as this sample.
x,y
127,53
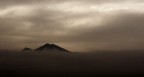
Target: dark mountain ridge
x,y
47,47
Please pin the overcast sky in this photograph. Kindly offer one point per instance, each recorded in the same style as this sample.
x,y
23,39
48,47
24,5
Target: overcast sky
x,y
77,25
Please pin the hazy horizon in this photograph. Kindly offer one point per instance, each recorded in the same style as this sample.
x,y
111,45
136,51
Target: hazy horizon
x,y
126,63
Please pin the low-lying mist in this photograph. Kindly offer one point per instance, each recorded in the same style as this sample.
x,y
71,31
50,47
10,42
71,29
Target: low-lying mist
x,y
61,63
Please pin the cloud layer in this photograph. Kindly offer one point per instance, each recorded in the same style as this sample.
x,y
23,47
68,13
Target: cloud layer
x,y
74,24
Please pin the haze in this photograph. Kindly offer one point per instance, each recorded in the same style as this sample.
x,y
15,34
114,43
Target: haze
x,y
77,25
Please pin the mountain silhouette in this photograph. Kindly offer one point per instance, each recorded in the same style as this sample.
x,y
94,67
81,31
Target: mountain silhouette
x,y
51,47
27,49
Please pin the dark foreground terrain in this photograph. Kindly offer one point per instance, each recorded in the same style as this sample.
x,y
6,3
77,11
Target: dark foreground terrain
x,y
104,63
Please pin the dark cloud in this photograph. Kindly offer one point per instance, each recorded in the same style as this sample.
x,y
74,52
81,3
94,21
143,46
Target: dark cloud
x,y
75,24
121,31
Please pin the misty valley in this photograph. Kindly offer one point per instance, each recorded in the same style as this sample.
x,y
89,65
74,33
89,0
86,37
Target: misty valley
x,y
98,63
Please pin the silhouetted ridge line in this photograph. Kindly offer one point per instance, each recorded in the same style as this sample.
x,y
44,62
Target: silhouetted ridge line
x,y
51,47
48,48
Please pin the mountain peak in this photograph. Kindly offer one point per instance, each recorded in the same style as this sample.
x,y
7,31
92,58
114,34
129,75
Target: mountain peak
x,y
27,49
47,44
51,47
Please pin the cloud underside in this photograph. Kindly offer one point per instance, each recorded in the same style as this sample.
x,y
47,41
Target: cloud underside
x,y
74,24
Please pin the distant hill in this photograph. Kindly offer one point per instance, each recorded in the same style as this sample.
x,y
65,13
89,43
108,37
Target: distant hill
x,y
27,49
51,47
48,48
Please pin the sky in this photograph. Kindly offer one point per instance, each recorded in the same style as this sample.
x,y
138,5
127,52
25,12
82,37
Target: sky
x,y
77,25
